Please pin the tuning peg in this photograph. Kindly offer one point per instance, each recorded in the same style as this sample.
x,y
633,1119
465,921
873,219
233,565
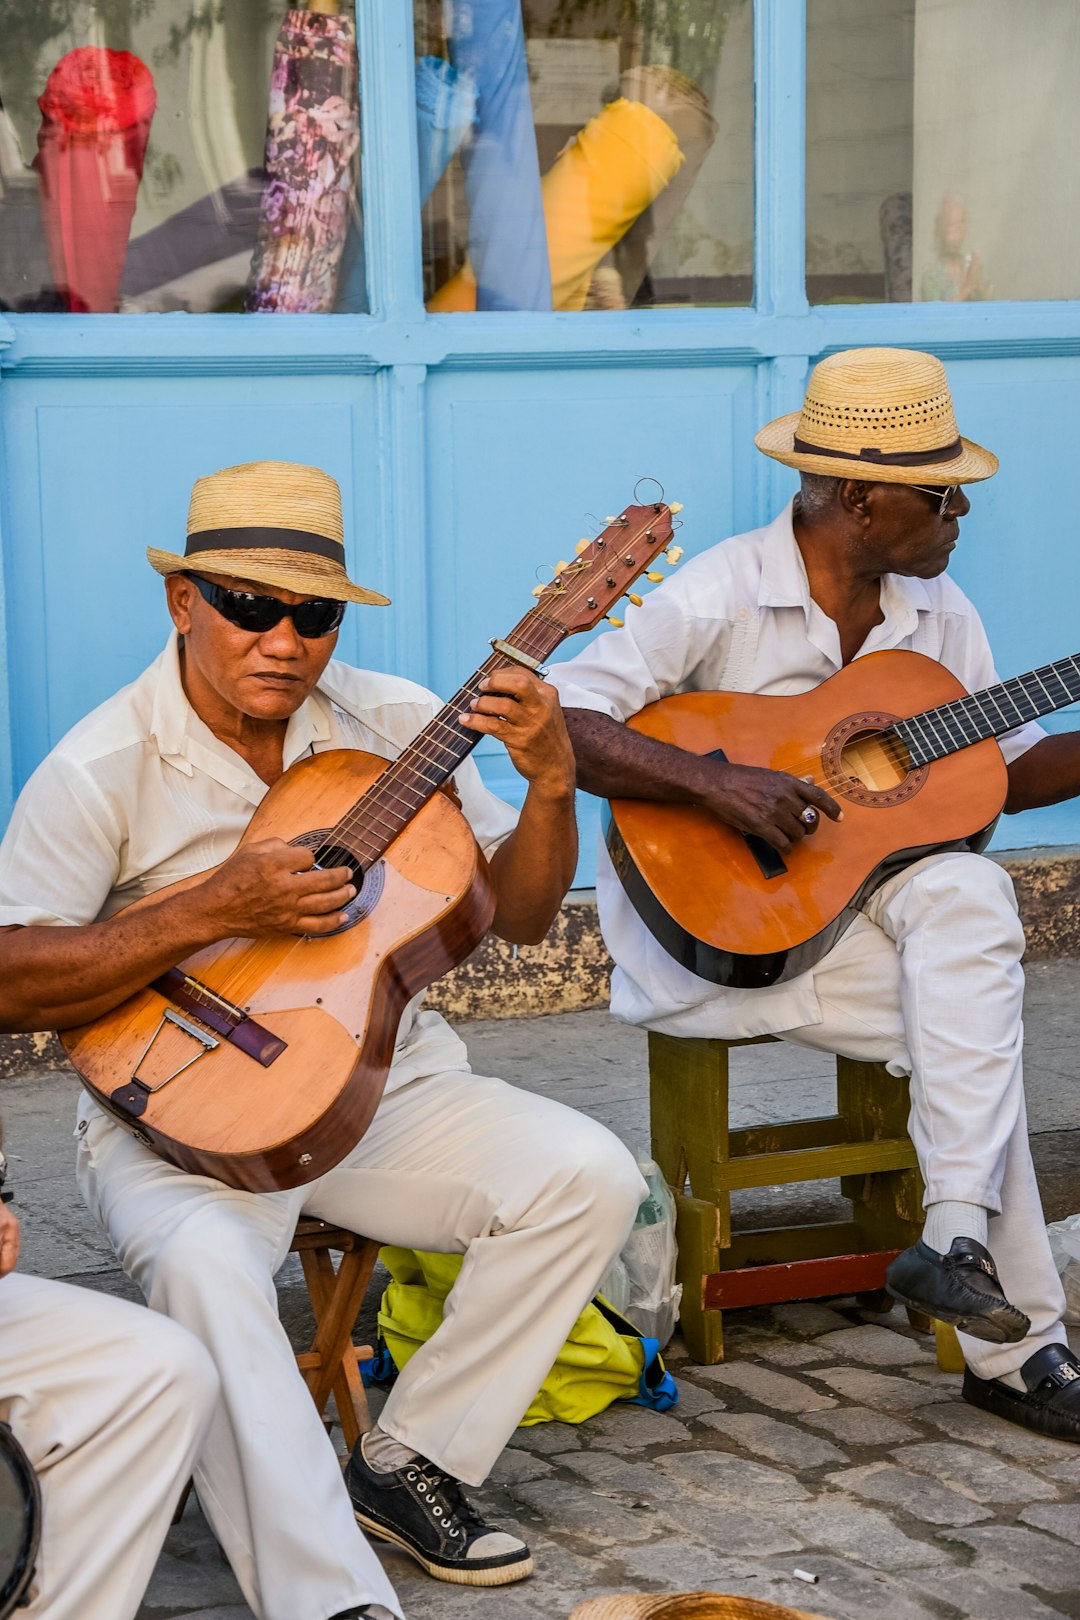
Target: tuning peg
x,y
611,619
654,577
672,555
675,507
538,590
632,596
582,545
560,568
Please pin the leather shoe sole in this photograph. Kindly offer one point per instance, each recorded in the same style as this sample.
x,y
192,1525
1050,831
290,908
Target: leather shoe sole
x,y
935,1284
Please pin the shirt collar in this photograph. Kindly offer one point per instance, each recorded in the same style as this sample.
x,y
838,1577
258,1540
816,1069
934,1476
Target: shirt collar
x,y
178,731
784,582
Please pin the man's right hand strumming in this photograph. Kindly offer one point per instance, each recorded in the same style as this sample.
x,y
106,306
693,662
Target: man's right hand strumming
x,y
271,887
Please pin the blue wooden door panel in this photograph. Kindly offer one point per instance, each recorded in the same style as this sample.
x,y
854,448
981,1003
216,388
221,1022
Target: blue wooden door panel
x,y
521,466
95,473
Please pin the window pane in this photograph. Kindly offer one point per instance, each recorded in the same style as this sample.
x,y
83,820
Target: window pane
x,y
585,154
179,155
941,140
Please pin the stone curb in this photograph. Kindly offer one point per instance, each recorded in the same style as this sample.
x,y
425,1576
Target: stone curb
x,y
569,970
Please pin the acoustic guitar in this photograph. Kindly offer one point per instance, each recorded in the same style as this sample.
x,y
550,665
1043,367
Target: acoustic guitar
x,y
909,755
261,1061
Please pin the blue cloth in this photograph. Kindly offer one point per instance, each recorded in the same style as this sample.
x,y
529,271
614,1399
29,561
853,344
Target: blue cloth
x,y
507,234
445,108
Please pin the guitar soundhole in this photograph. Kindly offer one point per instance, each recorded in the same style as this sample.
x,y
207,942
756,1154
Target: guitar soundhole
x,y
369,883
868,767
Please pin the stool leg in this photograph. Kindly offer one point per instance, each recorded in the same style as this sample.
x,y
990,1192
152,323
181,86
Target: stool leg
x,y
688,1099
696,1233
887,1205
336,1297
950,1357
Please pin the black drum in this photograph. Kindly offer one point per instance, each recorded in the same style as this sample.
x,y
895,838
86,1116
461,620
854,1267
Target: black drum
x,y
20,1522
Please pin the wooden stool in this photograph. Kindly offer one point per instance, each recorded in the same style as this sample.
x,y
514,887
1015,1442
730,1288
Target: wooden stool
x,y
331,1365
865,1143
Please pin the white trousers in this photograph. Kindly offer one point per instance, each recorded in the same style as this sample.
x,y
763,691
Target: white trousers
x,y
929,982
110,1403
539,1199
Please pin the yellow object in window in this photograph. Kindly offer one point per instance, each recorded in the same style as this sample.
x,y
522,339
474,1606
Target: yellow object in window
x,y
593,192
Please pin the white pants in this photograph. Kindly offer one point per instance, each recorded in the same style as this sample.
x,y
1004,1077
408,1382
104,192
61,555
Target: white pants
x,y
539,1200
110,1403
929,982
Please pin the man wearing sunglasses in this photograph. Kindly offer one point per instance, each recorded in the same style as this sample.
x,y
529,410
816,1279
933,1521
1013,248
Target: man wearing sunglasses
x,y
927,979
159,784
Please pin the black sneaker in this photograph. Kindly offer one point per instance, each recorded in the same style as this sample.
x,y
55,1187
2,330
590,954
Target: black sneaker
x,y
425,1512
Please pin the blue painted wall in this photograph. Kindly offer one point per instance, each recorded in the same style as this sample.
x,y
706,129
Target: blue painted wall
x,y
471,448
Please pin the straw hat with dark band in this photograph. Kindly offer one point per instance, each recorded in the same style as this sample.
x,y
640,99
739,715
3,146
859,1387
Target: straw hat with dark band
x,y
270,523
685,1606
883,415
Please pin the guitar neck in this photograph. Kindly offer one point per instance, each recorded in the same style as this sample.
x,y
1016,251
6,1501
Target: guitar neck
x,y
989,713
407,784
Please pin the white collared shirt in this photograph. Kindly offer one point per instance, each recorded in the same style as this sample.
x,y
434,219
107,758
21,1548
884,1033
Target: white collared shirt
x,y
740,616
141,793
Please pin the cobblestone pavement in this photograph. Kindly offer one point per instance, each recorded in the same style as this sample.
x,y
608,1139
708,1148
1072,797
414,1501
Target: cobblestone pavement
x,y
828,1441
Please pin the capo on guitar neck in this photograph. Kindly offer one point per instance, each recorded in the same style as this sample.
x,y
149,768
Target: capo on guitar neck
x,y
516,655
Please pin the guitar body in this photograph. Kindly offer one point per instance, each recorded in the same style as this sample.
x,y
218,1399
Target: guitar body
x,y
329,1007
746,922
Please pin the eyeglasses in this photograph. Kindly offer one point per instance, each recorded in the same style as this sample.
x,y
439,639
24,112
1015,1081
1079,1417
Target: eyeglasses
x,y
944,494
314,618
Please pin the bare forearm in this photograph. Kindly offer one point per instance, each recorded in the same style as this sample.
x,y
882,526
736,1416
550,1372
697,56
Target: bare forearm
x,y
616,763
57,978
534,867
1045,774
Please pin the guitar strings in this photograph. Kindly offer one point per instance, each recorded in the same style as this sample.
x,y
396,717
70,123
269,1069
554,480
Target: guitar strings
x,y
531,636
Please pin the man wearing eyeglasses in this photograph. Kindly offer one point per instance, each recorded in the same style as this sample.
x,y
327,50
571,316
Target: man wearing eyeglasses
x,y
159,784
927,979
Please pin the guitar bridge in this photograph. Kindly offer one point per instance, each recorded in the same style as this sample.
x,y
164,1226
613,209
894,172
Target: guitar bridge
x,y
132,1098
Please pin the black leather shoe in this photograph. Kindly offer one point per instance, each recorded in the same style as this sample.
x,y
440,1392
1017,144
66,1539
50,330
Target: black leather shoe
x,y
960,1287
1050,1404
425,1512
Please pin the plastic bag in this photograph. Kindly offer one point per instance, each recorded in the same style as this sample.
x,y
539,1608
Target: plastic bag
x,y
1065,1247
641,1282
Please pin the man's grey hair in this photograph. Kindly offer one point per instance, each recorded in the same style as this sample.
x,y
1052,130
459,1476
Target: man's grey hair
x,y
817,494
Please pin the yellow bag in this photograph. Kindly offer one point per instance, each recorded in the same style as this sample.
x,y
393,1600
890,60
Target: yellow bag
x,y
604,1359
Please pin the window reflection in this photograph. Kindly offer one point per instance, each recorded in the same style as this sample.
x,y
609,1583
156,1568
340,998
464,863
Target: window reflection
x,y
940,143
198,156
585,154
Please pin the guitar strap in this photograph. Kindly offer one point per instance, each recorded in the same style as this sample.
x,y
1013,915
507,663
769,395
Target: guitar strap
x,y
738,672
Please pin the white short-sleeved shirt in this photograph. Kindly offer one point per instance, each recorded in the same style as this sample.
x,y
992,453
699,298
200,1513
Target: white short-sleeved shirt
x,y
141,793
740,617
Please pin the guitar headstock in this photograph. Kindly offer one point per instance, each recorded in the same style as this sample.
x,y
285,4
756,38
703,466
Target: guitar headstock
x,y
604,569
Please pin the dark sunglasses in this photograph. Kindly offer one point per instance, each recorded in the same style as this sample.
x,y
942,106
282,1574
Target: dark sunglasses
x,y
256,614
942,493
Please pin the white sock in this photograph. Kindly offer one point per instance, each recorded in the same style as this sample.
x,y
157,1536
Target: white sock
x,y
383,1453
949,1220
1013,1379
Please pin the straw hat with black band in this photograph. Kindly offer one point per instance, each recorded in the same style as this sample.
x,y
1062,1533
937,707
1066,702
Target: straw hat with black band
x,y
685,1606
881,415
269,523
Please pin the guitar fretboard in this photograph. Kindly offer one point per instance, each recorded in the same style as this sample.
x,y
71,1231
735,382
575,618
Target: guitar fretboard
x,y
989,713
421,769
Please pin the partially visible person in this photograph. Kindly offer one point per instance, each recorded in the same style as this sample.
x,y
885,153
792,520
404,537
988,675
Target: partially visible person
x,y
111,1403
956,274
